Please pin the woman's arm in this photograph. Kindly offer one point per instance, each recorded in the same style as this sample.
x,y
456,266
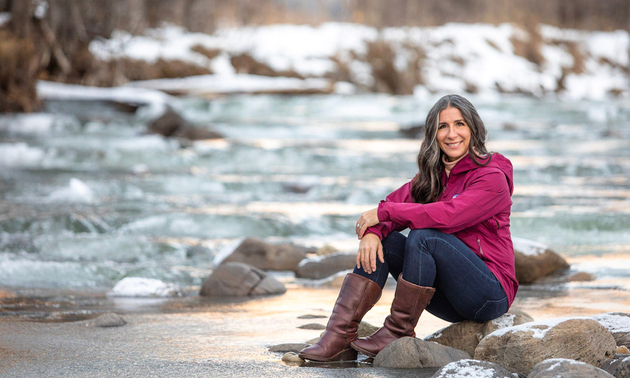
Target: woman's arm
x,y
486,196
382,229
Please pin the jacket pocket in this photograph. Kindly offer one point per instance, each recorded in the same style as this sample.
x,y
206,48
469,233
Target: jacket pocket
x,y
479,244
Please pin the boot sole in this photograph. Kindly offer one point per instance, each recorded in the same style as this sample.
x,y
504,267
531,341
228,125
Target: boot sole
x,y
345,355
361,350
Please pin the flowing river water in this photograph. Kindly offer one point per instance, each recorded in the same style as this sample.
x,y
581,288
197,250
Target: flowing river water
x,y
89,198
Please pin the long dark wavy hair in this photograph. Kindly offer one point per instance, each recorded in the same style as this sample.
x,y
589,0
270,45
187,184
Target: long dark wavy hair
x,y
427,185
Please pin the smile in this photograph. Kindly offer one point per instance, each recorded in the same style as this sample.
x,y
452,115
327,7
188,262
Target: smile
x,y
453,145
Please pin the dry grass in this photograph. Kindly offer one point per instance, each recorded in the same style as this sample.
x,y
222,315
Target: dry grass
x,y
18,70
245,63
529,48
208,53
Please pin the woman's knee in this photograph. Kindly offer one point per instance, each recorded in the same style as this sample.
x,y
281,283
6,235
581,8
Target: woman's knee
x,y
420,236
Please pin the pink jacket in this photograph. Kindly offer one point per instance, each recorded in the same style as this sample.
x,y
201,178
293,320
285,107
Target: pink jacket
x,y
475,207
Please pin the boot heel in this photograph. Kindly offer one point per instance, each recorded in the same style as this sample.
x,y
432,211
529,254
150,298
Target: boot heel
x,y
346,355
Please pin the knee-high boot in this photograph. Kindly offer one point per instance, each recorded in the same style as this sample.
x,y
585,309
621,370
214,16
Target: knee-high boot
x,y
356,297
409,302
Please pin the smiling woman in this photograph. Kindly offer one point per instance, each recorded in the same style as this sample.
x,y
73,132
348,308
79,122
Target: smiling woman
x,y
458,260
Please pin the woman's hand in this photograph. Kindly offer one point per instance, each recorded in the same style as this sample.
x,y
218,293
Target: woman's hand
x,y
369,247
367,219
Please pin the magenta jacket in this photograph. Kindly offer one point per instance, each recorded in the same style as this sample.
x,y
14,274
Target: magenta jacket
x,y
475,207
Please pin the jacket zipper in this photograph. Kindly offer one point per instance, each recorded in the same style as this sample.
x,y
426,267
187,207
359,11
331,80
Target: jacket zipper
x,y
479,243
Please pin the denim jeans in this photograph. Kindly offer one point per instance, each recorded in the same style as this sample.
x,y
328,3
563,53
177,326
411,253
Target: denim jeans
x,y
465,289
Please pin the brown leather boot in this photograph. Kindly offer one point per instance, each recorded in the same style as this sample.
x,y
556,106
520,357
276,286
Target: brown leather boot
x,y
409,302
356,297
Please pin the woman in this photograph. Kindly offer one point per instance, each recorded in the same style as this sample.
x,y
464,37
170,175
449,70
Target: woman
x,y
458,260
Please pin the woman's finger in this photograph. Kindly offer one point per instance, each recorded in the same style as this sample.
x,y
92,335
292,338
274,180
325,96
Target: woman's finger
x,y
380,252
359,259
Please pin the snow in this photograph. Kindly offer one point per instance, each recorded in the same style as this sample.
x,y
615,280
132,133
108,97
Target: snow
x,y
4,17
77,191
236,83
457,56
465,369
155,101
538,329
504,321
614,322
528,247
144,287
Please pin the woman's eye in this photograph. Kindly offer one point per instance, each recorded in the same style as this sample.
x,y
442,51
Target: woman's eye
x,y
441,127
461,124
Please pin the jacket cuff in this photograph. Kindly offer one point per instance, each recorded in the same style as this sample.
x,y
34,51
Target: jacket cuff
x,y
375,231
381,213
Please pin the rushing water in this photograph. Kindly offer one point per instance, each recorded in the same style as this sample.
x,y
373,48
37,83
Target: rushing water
x,y
88,198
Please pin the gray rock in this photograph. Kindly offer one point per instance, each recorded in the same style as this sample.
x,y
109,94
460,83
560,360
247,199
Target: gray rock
x,y
467,334
619,366
366,329
521,347
292,358
566,368
473,368
326,265
534,260
315,326
108,320
311,316
412,353
289,347
171,124
267,256
240,280
618,324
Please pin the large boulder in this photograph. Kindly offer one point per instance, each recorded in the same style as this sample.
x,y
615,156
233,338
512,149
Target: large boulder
x,y
471,369
412,353
240,280
467,334
534,260
618,324
566,368
326,265
619,366
521,347
267,256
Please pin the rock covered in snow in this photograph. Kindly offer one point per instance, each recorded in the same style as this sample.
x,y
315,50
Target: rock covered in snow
x,y
521,347
618,324
467,334
561,367
144,287
239,280
266,256
534,260
412,353
324,266
473,369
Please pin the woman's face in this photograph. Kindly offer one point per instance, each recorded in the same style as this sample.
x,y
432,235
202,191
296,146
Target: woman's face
x,y
453,134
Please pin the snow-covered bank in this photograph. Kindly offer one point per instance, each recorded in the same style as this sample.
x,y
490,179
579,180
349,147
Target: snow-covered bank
x,y
478,58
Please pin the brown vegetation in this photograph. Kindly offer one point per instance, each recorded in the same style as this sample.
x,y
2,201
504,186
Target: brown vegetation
x,y
245,63
18,70
529,48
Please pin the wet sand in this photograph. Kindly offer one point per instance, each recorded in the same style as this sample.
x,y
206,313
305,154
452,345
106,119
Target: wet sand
x,y
193,336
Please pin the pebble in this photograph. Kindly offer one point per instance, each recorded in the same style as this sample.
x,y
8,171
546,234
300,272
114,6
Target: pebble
x,y
315,326
108,320
292,358
622,350
311,316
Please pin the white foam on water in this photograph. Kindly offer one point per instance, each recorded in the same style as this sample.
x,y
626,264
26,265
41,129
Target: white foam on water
x,y
144,287
20,155
77,191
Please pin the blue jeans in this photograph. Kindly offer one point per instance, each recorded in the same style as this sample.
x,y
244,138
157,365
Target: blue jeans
x,y
465,289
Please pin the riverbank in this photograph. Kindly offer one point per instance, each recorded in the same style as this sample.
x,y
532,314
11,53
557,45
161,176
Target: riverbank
x,y
193,336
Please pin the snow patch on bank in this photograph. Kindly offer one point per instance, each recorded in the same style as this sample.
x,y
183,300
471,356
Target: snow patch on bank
x,y
528,247
456,57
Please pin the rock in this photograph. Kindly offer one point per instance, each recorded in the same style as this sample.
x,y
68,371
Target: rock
x,y
326,250
414,131
292,358
533,260
311,316
622,350
267,256
467,334
566,368
171,124
561,276
239,280
315,326
366,329
618,324
108,320
284,348
618,366
324,266
144,287
521,347
412,353
472,369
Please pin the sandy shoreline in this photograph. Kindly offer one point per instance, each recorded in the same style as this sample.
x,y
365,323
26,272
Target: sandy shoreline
x,y
193,336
